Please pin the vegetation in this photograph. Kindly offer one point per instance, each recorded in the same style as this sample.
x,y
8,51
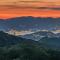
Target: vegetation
x,y
24,49
28,52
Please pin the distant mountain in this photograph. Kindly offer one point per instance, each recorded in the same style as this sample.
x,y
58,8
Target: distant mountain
x,y
30,23
7,40
40,34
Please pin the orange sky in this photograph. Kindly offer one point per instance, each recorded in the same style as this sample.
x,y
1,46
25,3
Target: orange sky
x,y
29,12
16,8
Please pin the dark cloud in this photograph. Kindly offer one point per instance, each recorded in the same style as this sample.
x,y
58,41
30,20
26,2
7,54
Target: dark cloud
x,y
26,7
47,8
54,8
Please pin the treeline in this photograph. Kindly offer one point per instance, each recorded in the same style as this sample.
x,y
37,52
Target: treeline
x,y
28,52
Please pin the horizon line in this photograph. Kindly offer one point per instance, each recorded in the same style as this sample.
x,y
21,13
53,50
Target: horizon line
x,y
29,16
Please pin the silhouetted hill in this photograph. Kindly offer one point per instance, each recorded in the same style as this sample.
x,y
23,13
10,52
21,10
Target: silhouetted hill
x,y
45,38
52,42
6,40
16,48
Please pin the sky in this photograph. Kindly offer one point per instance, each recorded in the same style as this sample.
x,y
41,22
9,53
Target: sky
x,y
35,8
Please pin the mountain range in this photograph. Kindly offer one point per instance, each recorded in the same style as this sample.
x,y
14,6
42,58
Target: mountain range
x,y
17,48
8,40
41,34
46,42
46,38
30,23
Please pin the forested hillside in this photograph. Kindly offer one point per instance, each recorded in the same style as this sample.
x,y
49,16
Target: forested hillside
x,y
16,48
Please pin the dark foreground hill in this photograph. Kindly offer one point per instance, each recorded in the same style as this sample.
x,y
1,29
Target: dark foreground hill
x,y
52,42
7,40
45,38
16,48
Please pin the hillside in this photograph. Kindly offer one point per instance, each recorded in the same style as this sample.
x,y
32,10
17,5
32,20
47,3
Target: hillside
x,y
52,42
45,38
6,40
17,48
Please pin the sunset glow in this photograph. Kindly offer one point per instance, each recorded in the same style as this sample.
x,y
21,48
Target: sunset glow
x,y
35,8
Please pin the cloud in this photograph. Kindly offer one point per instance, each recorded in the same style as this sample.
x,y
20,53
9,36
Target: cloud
x,y
55,8
29,4
28,7
49,8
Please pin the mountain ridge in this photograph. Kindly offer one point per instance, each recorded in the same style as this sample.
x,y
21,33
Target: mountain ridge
x,y
7,40
30,23
41,34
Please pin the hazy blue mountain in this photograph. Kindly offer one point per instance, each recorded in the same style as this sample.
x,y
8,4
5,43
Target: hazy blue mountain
x,y
33,23
39,35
